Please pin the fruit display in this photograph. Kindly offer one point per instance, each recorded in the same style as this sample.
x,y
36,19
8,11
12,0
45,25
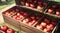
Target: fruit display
x,y
54,9
32,19
11,12
21,15
38,4
16,13
46,25
6,29
51,8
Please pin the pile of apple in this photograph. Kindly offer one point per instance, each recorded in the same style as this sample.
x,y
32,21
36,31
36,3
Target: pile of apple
x,y
54,10
31,20
34,4
6,29
46,25
41,5
58,12
21,15
11,12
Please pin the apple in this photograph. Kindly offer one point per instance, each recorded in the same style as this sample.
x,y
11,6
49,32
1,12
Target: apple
x,y
50,26
32,5
12,13
43,24
50,10
57,13
10,31
25,13
7,14
17,18
47,30
4,28
27,20
32,22
18,14
39,27
21,16
27,4
39,7
47,20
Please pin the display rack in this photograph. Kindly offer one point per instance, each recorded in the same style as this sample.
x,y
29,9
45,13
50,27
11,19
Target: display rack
x,y
31,29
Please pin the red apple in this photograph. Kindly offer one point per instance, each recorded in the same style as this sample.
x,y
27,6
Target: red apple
x,y
32,5
27,20
4,28
43,24
32,22
50,27
11,13
17,18
39,27
47,30
57,13
7,14
10,31
21,16
18,14
39,7
50,10
27,4
25,13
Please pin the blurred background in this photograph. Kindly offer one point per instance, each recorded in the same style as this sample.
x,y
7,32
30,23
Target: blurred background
x,y
5,3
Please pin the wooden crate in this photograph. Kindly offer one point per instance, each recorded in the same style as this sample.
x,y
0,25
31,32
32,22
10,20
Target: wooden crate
x,y
20,25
